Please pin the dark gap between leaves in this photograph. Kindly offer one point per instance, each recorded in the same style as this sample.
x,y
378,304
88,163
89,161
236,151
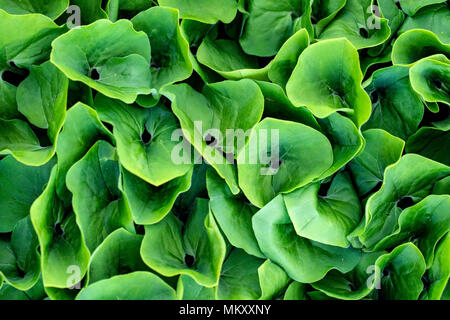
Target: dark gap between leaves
x,y
58,230
324,188
189,260
210,140
146,136
14,78
364,33
94,74
405,202
108,126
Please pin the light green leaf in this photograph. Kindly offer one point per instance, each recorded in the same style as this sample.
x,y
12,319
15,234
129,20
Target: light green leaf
x,y
303,260
425,223
52,9
196,249
170,50
97,202
414,45
402,271
117,254
325,216
233,214
431,79
269,24
81,130
381,150
207,118
412,6
358,23
149,204
280,157
144,139
207,11
245,277
115,70
327,83
430,18
396,107
61,243
188,289
406,182
32,44
138,285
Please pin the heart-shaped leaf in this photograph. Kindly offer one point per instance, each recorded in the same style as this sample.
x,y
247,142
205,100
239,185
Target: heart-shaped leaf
x,y
117,71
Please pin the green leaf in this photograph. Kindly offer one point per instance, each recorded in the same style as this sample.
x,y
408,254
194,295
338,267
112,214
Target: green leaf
x,y
144,139
8,109
196,249
345,138
207,11
32,44
414,45
170,50
81,130
402,271
358,23
427,221
283,64
233,214
296,291
221,108
327,83
323,12
430,18
188,289
396,107
19,258
381,150
406,182
412,6
354,285
8,292
269,24
303,260
280,157
227,59
325,216
52,9
149,204
18,139
277,105
116,70
428,142
439,273
138,285
117,254
61,243
91,10
42,98
388,9
431,79
97,201
245,277
23,184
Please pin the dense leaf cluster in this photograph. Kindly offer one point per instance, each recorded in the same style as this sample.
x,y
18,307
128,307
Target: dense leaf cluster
x,y
93,205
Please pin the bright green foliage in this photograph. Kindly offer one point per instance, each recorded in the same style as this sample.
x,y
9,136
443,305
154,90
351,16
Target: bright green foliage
x,y
224,150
